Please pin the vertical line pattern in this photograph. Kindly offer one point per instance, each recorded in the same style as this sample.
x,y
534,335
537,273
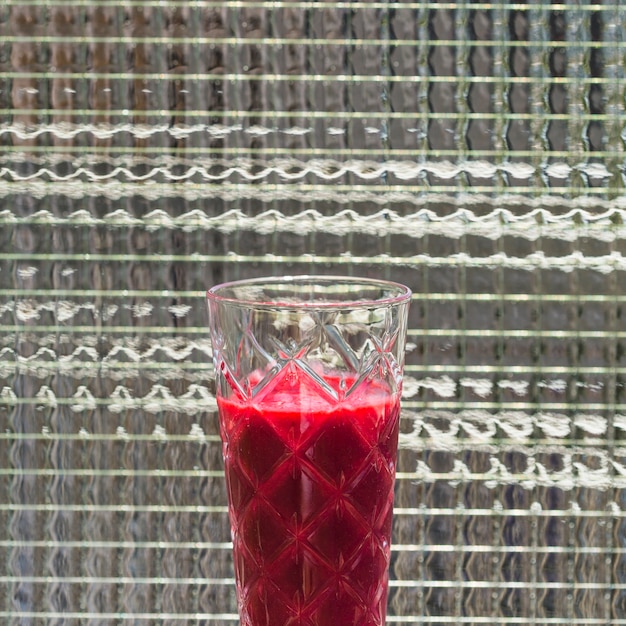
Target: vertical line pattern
x,y
473,151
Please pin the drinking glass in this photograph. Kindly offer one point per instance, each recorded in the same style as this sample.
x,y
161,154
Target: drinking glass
x,y
308,382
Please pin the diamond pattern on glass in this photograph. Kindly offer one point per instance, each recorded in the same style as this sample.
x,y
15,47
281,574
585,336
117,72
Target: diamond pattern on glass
x,y
323,344
312,526
310,424
248,439
320,451
263,602
377,359
303,576
338,533
363,490
296,493
262,532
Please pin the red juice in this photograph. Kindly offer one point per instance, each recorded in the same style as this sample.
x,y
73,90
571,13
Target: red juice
x,y
310,485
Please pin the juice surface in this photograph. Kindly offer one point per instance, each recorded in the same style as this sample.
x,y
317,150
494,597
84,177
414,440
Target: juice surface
x,y
310,485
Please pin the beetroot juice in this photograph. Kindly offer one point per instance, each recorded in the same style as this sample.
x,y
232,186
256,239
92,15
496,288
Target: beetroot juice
x,y
310,486
308,377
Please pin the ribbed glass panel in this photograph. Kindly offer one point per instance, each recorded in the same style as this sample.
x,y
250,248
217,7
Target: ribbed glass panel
x,y
472,150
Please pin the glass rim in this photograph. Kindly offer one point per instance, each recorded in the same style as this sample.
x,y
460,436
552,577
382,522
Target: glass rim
x,y
402,293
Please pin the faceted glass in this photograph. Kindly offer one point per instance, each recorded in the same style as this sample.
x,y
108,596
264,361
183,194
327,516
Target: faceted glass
x,y
309,379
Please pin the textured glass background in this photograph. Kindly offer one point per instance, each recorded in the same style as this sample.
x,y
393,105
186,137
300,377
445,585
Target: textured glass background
x,y
473,150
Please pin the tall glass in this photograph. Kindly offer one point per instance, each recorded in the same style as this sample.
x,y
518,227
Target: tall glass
x,y
309,377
